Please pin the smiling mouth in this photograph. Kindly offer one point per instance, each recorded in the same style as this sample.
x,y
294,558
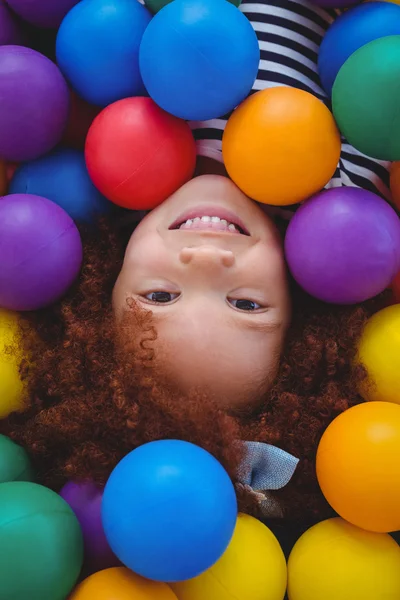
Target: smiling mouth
x,y
210,220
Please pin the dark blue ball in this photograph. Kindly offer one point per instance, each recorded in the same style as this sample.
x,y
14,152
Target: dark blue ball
x,y
199,58
97,49
63,178
169,510
352,30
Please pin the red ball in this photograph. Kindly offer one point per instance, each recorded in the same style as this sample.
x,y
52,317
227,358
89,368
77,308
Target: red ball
x,y
137,154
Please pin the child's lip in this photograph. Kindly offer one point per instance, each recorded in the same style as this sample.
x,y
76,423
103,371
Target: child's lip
x,y
212,211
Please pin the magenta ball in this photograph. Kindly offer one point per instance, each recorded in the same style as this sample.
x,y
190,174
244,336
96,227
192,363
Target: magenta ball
x,y
40,250
42,13
343,245
34,104
85,500
10,29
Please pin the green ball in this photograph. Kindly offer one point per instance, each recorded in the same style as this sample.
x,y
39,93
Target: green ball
x,y
366,99
14,462
41,545
156,5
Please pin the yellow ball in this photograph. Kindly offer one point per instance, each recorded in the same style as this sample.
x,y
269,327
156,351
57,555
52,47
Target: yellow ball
x,y
120,583
252,568
337,561
10,383
379,352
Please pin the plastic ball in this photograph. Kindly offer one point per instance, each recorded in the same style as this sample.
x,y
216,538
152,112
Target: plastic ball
x,y
40,249
335,560
343,245
98,49
137,154
365,99
81,116
379,352
10,29
63,178
358,468
34,104
40,542
15,464
121,584
253,567
169,510
11,388
85,500
281,146
352,30
199,58
42,13
156,5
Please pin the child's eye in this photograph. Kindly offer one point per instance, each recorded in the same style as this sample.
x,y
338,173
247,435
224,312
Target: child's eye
x,y
160,297
247,305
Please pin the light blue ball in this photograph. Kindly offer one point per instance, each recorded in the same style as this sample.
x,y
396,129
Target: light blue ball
x,y
199,58
352,30
63,178
97,49
169,510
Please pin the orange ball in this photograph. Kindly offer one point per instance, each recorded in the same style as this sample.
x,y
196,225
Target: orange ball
x,y
358,466
395,183
120,583
281,146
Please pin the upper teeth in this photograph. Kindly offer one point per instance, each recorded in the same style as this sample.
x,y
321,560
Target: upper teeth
x,y
208,219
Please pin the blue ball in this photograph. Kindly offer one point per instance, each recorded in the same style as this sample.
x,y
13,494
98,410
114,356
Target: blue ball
x,y
63,178
199,58
97,49
355,28
169,510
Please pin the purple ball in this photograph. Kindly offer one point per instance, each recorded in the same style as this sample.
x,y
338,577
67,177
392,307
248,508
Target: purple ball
x,y
343,245
85,500
34,104
40,252
42,13
10,29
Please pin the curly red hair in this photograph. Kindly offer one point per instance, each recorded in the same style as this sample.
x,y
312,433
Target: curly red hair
x,y
89,401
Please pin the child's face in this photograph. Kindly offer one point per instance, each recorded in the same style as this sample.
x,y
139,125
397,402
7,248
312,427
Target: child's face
x,y
219,298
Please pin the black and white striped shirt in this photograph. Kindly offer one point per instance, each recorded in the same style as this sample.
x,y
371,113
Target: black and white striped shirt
x,y
290,33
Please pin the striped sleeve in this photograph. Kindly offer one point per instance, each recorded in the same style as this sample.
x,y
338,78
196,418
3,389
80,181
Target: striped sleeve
x,y
289,34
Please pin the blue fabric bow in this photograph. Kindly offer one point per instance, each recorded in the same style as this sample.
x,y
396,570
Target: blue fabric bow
x,y
265,468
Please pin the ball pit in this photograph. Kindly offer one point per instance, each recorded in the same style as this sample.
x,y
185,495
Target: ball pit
x,y
379,352
15,464
343,245
169,510
365,99
199,58
34,104
358,468
252,568
98,49
42,13
62,177
40,542
85,500
41,252
10,30
137,155
352,30
156,5
10,383
121,584
335,560
276,132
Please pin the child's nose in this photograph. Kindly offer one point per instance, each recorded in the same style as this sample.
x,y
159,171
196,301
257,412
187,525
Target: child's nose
x,y
206,256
